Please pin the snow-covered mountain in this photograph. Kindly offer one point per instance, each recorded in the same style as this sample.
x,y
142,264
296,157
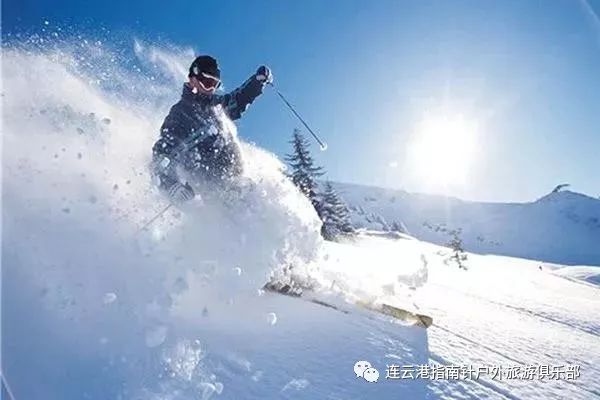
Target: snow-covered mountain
x,y
561,227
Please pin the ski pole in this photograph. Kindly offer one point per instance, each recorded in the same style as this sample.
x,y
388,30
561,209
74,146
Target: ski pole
x,y
6,387
157,216
287,103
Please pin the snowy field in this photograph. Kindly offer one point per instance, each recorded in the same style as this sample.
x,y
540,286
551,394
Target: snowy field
x,y
94,308
501,313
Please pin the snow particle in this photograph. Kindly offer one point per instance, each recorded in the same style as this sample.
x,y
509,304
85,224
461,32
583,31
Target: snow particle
x,y
219,387
297,384
272,317
257,376
66,210
208,389
79,156
106,121
109,298
115,187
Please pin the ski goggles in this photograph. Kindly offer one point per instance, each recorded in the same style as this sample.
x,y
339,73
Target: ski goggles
x,y
208,82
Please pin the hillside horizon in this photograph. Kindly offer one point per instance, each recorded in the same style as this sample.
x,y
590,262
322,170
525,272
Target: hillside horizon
x,y
558,227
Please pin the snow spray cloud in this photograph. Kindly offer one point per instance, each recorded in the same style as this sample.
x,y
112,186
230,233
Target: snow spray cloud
x,y
92,308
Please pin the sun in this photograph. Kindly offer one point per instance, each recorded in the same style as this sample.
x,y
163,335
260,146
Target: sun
x,y
442,149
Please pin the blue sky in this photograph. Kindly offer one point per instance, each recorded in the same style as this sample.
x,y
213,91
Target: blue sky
x,y
367,74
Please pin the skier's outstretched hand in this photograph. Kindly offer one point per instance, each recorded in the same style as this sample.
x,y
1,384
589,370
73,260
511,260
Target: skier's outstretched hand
x,y
264,74
180,193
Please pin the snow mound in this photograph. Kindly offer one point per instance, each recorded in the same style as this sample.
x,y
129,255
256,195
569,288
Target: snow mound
x,y
583,273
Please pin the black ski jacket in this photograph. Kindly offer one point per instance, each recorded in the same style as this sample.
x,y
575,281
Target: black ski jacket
x,y
198,137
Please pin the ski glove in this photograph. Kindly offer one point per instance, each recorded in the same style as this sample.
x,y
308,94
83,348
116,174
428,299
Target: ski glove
x,y
180,193
264,74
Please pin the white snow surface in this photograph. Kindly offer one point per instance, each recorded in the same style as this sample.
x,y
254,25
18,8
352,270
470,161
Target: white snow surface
x,y
94,308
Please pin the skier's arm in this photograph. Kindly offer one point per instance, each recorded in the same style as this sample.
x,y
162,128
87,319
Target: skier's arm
x,y
165,149
236,102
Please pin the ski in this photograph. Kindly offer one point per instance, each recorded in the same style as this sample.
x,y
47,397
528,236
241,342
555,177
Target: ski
x,y
397,313
422,320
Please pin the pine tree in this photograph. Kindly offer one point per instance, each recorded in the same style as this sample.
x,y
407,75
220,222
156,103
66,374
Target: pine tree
x,y
397,227
334,214
458,254
304,172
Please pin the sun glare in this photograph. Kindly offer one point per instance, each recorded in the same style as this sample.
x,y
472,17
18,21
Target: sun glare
x,y
442,149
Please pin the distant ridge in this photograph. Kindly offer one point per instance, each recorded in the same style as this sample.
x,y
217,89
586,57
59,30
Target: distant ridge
x,y
560,227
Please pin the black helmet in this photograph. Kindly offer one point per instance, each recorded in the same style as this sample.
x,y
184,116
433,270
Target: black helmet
x,y
205,64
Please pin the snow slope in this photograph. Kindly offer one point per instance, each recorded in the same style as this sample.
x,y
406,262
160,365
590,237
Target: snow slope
x,y
562,227
93,308
501,312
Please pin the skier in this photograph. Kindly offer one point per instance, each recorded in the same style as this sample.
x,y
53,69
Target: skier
x,y
196,144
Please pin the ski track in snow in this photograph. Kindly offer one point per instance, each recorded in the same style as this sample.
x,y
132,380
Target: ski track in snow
x,y
503,312
94,310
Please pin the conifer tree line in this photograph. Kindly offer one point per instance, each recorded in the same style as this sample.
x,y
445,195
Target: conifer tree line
x,y
330,207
